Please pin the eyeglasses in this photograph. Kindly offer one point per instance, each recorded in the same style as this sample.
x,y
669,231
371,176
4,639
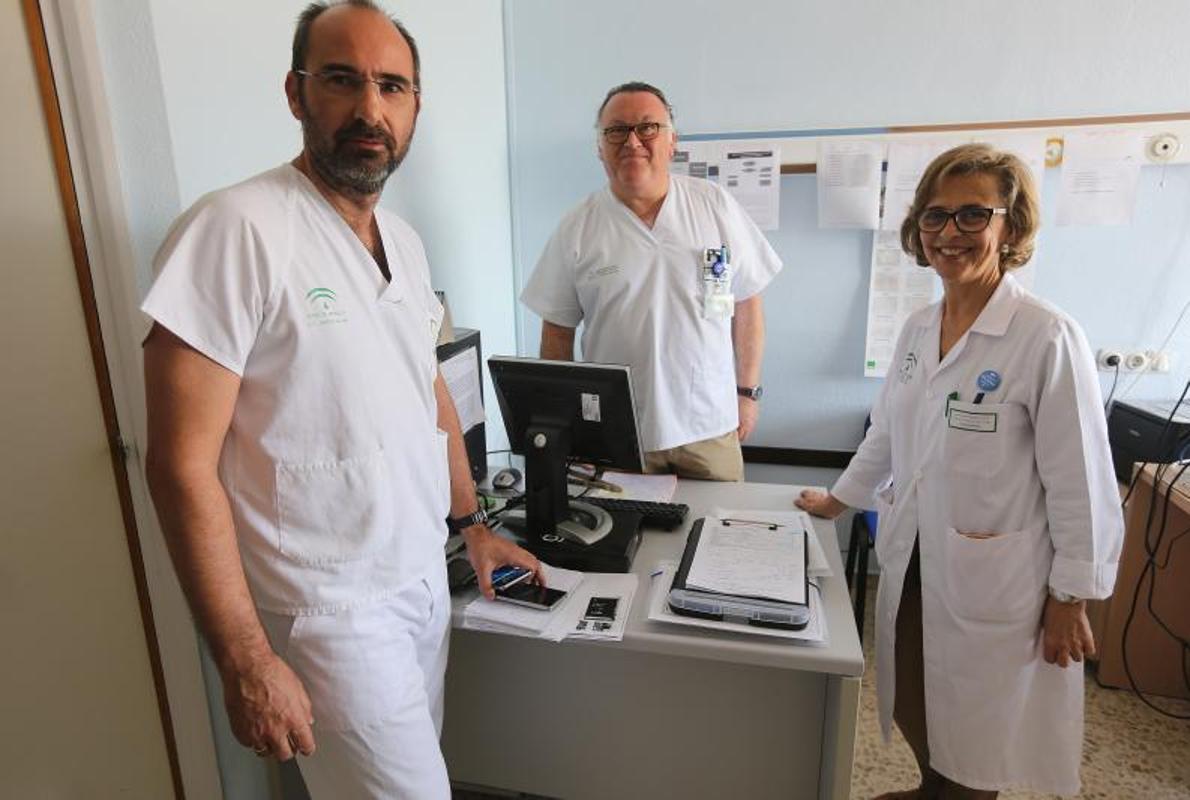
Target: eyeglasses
x,y
342,83
968,219
618,134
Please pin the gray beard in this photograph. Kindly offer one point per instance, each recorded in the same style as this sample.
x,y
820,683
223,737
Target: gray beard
x,y
347,173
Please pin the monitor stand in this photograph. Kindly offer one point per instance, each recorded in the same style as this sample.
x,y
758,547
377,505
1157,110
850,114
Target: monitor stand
x,y
584,524
564,532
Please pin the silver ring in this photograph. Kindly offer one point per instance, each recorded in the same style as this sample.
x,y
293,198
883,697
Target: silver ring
x,y
261,750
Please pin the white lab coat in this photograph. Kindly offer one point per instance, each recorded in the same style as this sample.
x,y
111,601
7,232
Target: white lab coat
x,y
1029,464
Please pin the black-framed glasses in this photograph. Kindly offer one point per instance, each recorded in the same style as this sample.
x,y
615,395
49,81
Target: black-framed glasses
x,y
345,83
618,134
968,219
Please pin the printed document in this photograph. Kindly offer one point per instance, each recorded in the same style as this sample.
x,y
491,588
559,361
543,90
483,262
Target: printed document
x,y
849,172
461,373
1100,171
753,177
749,557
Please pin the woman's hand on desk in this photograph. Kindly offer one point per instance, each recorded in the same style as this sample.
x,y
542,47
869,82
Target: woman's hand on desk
x,y
1066,632
820,504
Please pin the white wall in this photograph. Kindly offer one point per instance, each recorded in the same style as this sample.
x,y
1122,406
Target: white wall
x,y
777,65
78,710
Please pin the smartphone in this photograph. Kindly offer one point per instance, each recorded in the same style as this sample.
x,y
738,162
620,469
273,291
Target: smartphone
x,y
530,594
508,575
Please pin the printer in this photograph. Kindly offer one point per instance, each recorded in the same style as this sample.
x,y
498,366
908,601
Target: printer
x,y
1136,430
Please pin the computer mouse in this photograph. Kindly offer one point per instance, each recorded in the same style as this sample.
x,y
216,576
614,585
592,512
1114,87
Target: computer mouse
x,y
506,478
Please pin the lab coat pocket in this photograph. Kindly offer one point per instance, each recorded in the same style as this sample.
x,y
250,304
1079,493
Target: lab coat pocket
x,y
334,511
977,434
994,577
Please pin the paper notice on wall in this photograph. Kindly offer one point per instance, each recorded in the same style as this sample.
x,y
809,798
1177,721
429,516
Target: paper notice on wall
x,y
897,287
1028,147
461,373
697,160
753,177
906,162
1100,171
849,173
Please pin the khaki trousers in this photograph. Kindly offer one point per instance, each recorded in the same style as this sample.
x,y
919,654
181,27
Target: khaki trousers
x,y
717,459
909,707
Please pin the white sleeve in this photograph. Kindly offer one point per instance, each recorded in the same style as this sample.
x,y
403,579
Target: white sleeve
x,y
551,292
756,263
213,283
1074,461
871,466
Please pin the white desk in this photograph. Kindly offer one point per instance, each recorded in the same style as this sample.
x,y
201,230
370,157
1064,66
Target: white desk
x,y
669,712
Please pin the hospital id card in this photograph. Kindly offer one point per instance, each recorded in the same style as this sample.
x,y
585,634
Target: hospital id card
x,y
976,421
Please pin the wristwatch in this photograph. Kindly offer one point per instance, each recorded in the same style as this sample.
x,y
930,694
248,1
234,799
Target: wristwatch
x,y
751,392
1062,597
457,524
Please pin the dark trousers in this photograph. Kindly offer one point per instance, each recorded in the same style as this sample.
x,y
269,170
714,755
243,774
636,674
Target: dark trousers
x,y
909,709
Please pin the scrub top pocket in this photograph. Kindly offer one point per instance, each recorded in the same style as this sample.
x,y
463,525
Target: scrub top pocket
x,y
334,511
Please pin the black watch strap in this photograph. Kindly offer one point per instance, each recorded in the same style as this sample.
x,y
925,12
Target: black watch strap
x,y
751,392
457,524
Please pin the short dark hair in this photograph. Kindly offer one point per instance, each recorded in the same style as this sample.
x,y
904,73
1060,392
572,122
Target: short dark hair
x,y
635,86
301,34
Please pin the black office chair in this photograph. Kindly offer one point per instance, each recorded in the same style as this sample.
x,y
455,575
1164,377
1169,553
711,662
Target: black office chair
x,y
862,540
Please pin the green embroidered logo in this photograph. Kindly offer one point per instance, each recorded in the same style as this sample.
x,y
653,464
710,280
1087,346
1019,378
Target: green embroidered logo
x,y
322,307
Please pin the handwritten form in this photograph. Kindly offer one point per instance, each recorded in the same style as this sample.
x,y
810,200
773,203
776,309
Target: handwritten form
x,y
750,560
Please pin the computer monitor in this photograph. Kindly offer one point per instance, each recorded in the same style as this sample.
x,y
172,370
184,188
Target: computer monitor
x,y
556,411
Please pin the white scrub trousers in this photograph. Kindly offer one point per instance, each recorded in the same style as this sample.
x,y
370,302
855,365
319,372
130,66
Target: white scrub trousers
x,y
375,678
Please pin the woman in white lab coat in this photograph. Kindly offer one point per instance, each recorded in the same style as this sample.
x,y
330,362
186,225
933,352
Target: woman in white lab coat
x,y
988,463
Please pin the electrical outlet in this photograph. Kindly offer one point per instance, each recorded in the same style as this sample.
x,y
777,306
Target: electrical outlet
x,y
1136,361
1159,361
1109,359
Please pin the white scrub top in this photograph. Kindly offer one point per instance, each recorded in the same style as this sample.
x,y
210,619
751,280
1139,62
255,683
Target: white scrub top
x,y
639,294
333,463
1029,464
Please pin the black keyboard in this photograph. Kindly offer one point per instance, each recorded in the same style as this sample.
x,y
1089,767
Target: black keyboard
x,y
656,515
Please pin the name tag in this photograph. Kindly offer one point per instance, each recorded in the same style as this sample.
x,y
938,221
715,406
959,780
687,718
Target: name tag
x,y
977,421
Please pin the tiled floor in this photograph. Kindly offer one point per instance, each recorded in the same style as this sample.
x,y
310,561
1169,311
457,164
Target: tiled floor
x,y
1130,751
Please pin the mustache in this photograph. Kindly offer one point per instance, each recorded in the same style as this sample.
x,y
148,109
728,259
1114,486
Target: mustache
x,y
361,130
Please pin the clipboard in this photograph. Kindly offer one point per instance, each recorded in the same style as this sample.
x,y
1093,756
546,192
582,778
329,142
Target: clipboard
x,y
756,611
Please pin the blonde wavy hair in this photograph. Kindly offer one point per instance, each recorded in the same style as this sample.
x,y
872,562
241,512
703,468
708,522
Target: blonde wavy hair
x,y
1017,189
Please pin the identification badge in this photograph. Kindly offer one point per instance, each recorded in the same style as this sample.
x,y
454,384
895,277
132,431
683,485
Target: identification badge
x,y
718,301
975,421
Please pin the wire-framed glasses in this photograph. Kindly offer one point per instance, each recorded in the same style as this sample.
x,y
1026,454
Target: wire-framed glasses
x,y
346,83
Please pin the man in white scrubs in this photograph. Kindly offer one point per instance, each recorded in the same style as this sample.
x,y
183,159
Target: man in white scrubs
x,y
304,453
665,274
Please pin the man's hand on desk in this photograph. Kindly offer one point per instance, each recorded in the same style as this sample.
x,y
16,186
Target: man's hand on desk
x,y
820,504
749,413
487,551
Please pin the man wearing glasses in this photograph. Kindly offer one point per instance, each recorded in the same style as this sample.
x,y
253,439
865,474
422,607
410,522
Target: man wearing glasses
x,y
665,273
303,449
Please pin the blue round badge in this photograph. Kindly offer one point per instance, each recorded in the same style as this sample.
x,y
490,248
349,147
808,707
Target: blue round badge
x,y
988,380
717,268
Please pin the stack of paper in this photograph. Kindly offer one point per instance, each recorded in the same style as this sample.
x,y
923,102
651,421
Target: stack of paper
x,y
502,617
654,488
602,602
793,518
567,618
